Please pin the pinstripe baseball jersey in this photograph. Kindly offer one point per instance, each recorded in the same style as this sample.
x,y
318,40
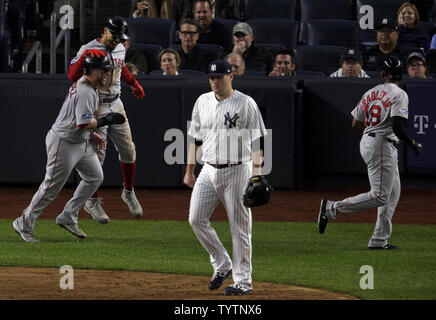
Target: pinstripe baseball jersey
x,y
116,56
79,108
227,128
378,105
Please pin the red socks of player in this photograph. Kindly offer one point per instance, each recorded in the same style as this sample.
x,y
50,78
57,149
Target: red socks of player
x,y
128,171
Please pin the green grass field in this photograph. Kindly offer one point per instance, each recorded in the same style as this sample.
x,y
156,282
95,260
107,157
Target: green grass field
x,y
288,253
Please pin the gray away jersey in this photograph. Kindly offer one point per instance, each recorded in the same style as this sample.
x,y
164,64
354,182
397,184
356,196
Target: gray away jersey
x,y
116,57
79,108
227,128
379,105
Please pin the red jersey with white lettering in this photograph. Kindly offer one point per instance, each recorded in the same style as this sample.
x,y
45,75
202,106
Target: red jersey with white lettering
x,y
379,105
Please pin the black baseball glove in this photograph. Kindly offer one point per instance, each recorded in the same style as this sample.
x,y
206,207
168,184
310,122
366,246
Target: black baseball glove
x,y
417,147
111,118
257,193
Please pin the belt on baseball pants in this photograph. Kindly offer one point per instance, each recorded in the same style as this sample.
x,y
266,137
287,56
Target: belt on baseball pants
x,y
109,100
394,143
222,166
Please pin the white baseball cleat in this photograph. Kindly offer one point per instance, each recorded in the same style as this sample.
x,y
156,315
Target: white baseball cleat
x,y
26,236
94,208
74,229
129,198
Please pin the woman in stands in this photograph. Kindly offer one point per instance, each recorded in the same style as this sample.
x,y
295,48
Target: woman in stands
x,y
411,34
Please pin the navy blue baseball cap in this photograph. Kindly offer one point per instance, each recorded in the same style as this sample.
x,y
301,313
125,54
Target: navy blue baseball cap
x,y
219,68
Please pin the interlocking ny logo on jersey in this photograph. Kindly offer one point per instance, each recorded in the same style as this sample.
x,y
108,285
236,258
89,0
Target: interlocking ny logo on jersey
x,y
230,120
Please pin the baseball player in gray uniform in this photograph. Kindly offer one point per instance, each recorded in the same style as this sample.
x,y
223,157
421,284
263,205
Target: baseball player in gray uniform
x,y
381,114
219,118
110,44
68,147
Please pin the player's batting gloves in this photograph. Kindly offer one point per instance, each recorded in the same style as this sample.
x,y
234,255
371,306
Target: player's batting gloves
x,y
137,90
94,53
417,147
111,118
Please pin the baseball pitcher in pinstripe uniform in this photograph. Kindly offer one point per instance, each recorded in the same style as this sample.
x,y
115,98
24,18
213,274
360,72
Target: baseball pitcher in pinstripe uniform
x,y
227,125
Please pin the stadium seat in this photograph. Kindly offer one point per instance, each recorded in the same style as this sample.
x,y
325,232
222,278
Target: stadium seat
x,y
309,73
431,61
182,72
376,9
322,9
214,49
261,9
321,58
271,47
152,31
335,32
275,31
249,73
372,73
151,52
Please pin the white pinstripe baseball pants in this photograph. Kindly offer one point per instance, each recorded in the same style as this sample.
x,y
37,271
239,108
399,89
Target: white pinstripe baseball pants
x,y
227,186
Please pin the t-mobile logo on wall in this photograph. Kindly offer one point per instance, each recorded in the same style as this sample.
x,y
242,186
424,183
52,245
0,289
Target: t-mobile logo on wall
x,y
421,122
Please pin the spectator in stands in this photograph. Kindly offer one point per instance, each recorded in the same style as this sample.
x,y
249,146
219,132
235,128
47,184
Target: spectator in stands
x,y
237,62
169,62
411,34
387,44
283,64
132,69
256,58
135,57
222,9
165,9
211,31
351,66
192,56
416,65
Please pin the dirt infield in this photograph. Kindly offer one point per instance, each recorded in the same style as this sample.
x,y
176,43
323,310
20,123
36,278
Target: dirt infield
x,y
417,206
43,284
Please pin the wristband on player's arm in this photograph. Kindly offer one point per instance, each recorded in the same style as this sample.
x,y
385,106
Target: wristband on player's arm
x,y
111,118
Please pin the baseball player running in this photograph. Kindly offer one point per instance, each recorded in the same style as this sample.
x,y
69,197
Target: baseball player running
x,y
68,147
219,118
110,44
381,114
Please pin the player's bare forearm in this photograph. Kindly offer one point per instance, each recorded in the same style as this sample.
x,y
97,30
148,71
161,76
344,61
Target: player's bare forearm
x,y
189,178
98,140
358,125
257,157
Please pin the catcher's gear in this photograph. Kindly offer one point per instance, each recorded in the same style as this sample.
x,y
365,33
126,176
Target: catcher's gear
x,y
95,62
257,193
417,147
393,66
118,27
111,118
